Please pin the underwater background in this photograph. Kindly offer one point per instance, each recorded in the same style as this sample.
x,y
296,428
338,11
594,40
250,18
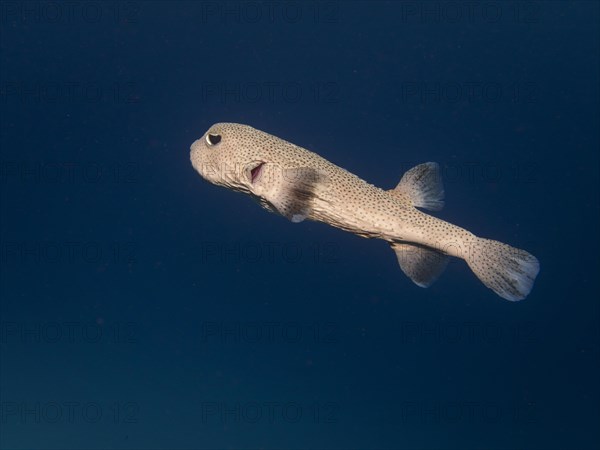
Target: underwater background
x,y
143,308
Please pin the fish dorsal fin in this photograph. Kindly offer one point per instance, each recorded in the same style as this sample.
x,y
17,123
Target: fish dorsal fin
x,y
421,264
423,186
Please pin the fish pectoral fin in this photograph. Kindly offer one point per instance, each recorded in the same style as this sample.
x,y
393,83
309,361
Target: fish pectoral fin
x,y
421,264
423,186
296,190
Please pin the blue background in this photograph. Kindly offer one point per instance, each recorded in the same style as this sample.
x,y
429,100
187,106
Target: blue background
x,y
172,314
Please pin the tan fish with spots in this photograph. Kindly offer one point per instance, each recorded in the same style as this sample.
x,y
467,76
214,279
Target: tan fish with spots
x,y
299,184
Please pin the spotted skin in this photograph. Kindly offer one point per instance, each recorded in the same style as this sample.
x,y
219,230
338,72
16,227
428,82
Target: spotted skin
x,y
300,184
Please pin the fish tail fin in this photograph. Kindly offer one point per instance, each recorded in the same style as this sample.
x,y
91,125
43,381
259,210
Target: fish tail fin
x,y
508,271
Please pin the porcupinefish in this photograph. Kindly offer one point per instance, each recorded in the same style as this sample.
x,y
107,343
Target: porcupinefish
x,y
299,184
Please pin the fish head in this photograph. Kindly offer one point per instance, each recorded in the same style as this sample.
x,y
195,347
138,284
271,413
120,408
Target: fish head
x,y
231,155
274,172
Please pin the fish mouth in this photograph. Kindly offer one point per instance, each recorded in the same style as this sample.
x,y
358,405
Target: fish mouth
x,y
256,171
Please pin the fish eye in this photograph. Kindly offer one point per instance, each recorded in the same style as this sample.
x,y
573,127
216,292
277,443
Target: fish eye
x,y
213,139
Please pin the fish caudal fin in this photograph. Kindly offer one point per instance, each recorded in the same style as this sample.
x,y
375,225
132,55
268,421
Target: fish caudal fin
x,y
508,271
423,186
421,264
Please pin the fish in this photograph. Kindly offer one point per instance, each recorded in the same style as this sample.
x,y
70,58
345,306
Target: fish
x,y
301,185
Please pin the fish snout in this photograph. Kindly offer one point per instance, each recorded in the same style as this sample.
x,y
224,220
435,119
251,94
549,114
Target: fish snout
x,y
196,156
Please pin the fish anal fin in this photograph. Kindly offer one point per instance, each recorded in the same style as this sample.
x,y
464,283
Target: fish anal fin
x,y
421,264
423,186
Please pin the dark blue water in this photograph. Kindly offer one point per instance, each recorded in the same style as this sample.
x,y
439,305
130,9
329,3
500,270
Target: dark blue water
x,y
143,308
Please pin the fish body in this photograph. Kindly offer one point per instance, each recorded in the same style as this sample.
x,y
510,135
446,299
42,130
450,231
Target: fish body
x,y
299,184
